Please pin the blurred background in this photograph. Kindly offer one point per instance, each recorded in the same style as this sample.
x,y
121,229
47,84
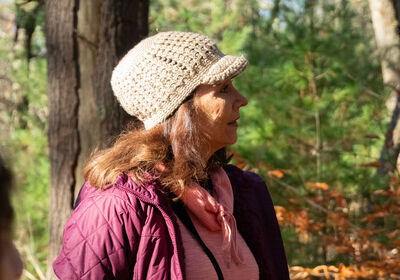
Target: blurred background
x,y
321,126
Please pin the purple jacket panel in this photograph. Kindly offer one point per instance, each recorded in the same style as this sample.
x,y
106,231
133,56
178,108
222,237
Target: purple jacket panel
x,y
256,221
109,229
131,232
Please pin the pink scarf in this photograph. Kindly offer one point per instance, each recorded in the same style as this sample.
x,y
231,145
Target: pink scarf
x,y
216,214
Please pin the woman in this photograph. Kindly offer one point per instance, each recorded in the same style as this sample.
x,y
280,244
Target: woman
x,y
162,202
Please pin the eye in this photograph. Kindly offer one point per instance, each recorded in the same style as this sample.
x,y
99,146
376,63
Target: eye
x,y
224,89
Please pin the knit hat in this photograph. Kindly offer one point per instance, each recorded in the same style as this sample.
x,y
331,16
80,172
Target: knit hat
x,y
154,78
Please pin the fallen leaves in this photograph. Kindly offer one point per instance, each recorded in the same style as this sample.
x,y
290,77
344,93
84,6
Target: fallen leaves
x,y
321,215
317,186
278,173
370,217
342,272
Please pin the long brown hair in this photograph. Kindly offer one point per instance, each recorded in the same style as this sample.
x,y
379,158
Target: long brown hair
x,y
175,144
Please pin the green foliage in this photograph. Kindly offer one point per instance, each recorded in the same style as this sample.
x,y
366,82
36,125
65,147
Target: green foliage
x,y
314,87
315,92
24,120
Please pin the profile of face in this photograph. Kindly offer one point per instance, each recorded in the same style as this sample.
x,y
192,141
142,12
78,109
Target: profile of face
x,y
218,107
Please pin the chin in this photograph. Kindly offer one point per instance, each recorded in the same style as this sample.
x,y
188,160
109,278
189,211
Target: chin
x,y
232,140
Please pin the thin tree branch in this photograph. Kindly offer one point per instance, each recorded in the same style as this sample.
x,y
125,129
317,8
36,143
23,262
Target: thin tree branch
x,y
309,201
390,151
367,90
293,189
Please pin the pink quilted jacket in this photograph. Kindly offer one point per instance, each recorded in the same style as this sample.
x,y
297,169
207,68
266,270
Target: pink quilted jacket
x,y
130,232
108,230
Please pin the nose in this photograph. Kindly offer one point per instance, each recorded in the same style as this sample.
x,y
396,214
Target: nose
x,y
244,100
240,100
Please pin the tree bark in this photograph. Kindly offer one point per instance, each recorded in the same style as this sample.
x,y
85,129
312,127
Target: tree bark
x,y
85,40
385,24
62,85
396,5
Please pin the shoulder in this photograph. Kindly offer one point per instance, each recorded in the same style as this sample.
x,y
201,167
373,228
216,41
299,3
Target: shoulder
x,y
102,217
123,196
122,207
244,179
95,239
248,187
105,204
257,223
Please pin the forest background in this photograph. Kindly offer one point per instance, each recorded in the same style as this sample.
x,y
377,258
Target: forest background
x,y
319,126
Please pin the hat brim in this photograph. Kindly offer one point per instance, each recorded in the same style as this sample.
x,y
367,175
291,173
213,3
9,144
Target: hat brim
x,y
227,67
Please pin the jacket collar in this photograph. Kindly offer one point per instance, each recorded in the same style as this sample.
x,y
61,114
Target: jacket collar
x,y
149,191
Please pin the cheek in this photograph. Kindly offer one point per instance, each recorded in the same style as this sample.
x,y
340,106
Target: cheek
x,y
215,110
216,114
212,109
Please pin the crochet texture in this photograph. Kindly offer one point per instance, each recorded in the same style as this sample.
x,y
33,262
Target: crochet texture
x,y
154,78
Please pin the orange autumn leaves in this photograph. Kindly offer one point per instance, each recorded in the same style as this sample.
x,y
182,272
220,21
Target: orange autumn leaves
x,y
280,173
342,272
373,256
317,186
372,244
362,245
373,249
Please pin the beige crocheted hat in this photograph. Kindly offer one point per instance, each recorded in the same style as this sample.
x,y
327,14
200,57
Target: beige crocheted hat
x,y
155,77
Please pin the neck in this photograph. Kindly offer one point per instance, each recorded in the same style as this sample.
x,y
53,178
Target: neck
x,y
207,152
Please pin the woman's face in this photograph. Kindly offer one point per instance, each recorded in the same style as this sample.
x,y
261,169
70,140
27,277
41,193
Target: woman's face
x,y
218,108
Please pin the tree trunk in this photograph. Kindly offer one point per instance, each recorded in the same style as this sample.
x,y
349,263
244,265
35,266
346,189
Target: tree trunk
x,y
396,5
383,15
62,84
85,40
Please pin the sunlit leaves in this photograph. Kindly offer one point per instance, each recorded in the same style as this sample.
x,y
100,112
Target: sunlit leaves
x,y
24,132
317,185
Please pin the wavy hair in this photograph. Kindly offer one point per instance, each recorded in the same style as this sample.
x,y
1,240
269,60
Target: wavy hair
x,y
174,145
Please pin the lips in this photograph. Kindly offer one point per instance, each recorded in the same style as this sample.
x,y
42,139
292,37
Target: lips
x,y
234,122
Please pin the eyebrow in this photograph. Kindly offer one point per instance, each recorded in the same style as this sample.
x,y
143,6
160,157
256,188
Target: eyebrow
x,y
220,85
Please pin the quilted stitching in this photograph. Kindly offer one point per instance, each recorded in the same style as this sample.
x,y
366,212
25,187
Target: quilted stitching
x,y
93,227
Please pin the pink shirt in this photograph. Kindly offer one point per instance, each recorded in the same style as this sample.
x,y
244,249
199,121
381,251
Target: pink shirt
x,y
199,266
213,219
